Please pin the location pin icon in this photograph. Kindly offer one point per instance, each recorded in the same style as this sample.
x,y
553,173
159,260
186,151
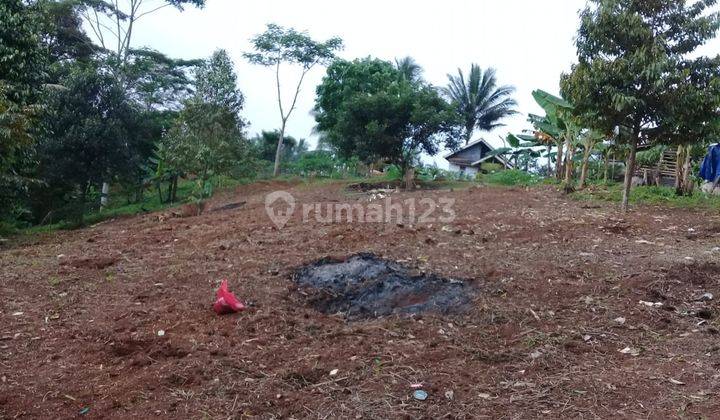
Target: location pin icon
x,y
279,217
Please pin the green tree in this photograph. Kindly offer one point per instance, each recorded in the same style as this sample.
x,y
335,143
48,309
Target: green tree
x,y
89,133
266,145
62,31
113,24
216,83
479,101
207,139
631,56
278,45
316,162
23,70
409,68
158,82
367,108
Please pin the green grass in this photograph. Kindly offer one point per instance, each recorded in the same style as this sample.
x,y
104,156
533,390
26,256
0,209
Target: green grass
x,y
510,178
651,195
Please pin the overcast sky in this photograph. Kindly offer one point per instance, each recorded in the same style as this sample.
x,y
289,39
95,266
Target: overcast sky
x,y
529,42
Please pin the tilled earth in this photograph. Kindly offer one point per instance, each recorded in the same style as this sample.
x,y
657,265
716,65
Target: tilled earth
x,y
579,312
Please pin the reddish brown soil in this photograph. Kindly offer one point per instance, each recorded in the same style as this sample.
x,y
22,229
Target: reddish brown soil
x,y
80,312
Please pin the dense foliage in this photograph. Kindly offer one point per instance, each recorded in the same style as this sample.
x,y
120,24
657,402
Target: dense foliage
x,y
369,109
634,72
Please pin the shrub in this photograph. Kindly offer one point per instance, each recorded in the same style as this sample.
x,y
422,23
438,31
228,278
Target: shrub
x,y
512,177
490,167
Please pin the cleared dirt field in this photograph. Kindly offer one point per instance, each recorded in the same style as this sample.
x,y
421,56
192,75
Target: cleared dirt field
x,y
559,287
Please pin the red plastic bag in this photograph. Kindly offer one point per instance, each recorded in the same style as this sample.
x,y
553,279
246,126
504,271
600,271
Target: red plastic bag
x,y
226,302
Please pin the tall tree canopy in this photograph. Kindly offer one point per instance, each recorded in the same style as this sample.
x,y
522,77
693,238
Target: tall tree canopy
x,y
266,145
479,101
369,109
113,23
207,139
216,83
89,134
634,70
278,45
409,68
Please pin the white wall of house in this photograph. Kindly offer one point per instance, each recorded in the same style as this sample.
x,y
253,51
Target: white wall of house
x,y
467,170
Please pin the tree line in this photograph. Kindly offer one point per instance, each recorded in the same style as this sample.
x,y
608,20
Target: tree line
x,y
86,115
638,82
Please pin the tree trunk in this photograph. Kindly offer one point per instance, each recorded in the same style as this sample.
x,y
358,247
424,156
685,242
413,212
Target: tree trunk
x,y
409,178
584,171
549,161
278,152
606,167
158,185
80,218
569,156
679,159
104,193
173,191
629,169
684,185
559,162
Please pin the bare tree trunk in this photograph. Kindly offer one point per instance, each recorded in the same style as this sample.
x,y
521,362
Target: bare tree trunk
x,y
606,167
104,193
584,170
569,156
409,178
559,162
679,158
549,162
683,183
687,179
279,150
629,169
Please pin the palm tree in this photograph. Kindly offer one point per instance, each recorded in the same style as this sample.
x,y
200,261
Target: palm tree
x,y
479,101
409,68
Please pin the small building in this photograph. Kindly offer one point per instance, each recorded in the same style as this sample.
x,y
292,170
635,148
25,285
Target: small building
x,y
468,159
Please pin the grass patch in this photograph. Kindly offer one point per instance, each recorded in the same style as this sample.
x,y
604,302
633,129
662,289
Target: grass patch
x,y
510,178
651,195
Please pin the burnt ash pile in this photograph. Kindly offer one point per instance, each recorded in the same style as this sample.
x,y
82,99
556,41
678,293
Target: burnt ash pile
x,y
366,286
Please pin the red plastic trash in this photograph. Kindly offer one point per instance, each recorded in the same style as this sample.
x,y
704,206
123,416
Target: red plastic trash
x,y
226,302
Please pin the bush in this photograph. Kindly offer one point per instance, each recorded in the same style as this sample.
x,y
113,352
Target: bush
x,y
511,177
490,167
652,195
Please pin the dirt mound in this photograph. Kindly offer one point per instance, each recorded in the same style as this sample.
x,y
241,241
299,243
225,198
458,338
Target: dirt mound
x,y
366,286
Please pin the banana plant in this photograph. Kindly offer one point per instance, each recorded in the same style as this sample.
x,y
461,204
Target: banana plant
x,y
560,124
160,171
521,147
589,139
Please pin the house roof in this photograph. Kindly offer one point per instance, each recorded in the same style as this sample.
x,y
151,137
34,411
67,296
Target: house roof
x,y
480,143
469,146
